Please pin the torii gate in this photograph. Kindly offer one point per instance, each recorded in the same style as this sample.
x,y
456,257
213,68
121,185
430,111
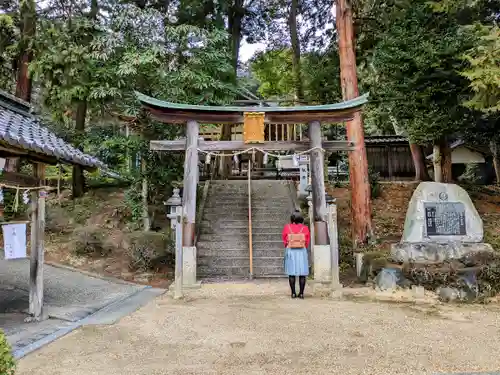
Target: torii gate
x,y
254,120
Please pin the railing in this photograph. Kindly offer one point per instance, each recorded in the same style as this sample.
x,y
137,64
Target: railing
x,y
250,244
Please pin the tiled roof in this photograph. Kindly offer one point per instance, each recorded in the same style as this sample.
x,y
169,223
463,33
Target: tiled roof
x,y
22,130
385,139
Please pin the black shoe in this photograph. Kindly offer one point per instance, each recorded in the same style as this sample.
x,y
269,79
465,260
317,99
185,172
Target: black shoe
x,y
294,295
301,296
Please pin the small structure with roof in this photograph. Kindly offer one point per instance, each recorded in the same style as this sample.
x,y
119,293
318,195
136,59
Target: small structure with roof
x,y
23,135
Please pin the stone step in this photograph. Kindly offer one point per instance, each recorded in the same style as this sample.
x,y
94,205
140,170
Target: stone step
x,y
274,244
203,271
239,261
234,231
269,271
224,253
261,236
238,204
227,214
225,224
223,245
239,272
223,237
239,252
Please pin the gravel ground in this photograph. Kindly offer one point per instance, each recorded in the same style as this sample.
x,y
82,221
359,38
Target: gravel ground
x,y
255,328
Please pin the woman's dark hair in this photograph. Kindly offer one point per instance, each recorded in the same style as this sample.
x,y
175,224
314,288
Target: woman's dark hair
x,y
297,217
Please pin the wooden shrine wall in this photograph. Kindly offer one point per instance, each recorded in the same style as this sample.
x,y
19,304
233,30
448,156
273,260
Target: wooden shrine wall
x,y
391,161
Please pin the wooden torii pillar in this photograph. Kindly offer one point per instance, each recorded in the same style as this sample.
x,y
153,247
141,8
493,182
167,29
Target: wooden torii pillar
x,y
190,183
189,204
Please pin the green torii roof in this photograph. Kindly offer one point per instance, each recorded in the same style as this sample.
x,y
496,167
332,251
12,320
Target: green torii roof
x,y
180,113
348,104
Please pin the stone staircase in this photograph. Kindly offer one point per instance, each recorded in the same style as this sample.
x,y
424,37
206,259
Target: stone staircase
x,y
223,245
222,248
271,207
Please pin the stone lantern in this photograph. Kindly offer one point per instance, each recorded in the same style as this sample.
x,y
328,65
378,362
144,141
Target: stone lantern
x,y
174,207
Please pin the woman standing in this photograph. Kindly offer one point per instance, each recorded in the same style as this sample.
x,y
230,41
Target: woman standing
x,y
296,239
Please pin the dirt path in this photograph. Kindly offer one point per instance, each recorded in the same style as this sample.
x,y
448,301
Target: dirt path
x,y
256,329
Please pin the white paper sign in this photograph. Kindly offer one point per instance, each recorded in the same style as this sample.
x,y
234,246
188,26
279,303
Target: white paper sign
x,y
14,240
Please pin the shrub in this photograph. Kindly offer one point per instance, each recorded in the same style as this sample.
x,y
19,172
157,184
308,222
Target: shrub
x,y
148,250
374,178
57,220
91,241
7,364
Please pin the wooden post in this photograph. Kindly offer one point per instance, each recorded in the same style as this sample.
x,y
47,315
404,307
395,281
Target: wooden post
x,y
362,228
146,223
190,184
334,244
318,185
37,247
178,256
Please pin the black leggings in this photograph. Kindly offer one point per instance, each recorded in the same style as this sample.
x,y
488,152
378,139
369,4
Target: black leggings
x,y
302,284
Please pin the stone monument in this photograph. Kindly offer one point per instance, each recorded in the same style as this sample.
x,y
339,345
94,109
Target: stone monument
x,y
441,224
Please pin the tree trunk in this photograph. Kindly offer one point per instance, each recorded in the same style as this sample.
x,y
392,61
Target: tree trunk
x,y
235,17
146,223
496,163
442,161
417,154
358,165
28,26
226,162
446,162
24,83
421,173
436,155
294,39
78,177
236,13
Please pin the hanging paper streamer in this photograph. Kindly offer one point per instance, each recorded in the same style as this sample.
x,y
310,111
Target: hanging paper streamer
x,y
266,156
207,159
2,165
14,238
235,159
278,163
1,196
295,160
26,198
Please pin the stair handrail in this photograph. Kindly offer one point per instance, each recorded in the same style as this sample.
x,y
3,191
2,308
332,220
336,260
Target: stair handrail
x,y
250,244
199,213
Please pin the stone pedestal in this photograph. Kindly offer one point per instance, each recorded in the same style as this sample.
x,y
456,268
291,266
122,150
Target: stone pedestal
x,y
322,263
434,252
441,224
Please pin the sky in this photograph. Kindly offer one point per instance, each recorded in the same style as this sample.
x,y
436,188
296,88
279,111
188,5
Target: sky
x,y
248,50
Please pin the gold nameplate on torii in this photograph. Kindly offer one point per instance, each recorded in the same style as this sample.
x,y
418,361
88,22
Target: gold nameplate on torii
x,y
253,127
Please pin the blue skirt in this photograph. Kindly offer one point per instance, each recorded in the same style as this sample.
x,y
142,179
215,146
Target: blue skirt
x,y
296,262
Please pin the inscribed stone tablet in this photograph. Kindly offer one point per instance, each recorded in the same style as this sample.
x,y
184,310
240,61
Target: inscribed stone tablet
x,y
445,218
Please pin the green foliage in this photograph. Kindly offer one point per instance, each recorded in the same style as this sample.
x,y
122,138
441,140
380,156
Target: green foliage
x,y
374,178
7,364
134,203
484,70
414,71
57,220
8,47
274,71
147,250
91,241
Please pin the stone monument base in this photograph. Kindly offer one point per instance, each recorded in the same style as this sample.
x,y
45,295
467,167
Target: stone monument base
x,y
424,252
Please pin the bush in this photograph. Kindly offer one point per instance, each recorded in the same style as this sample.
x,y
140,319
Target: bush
x,y
57,220
148,250
91,241
7,364
374,178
